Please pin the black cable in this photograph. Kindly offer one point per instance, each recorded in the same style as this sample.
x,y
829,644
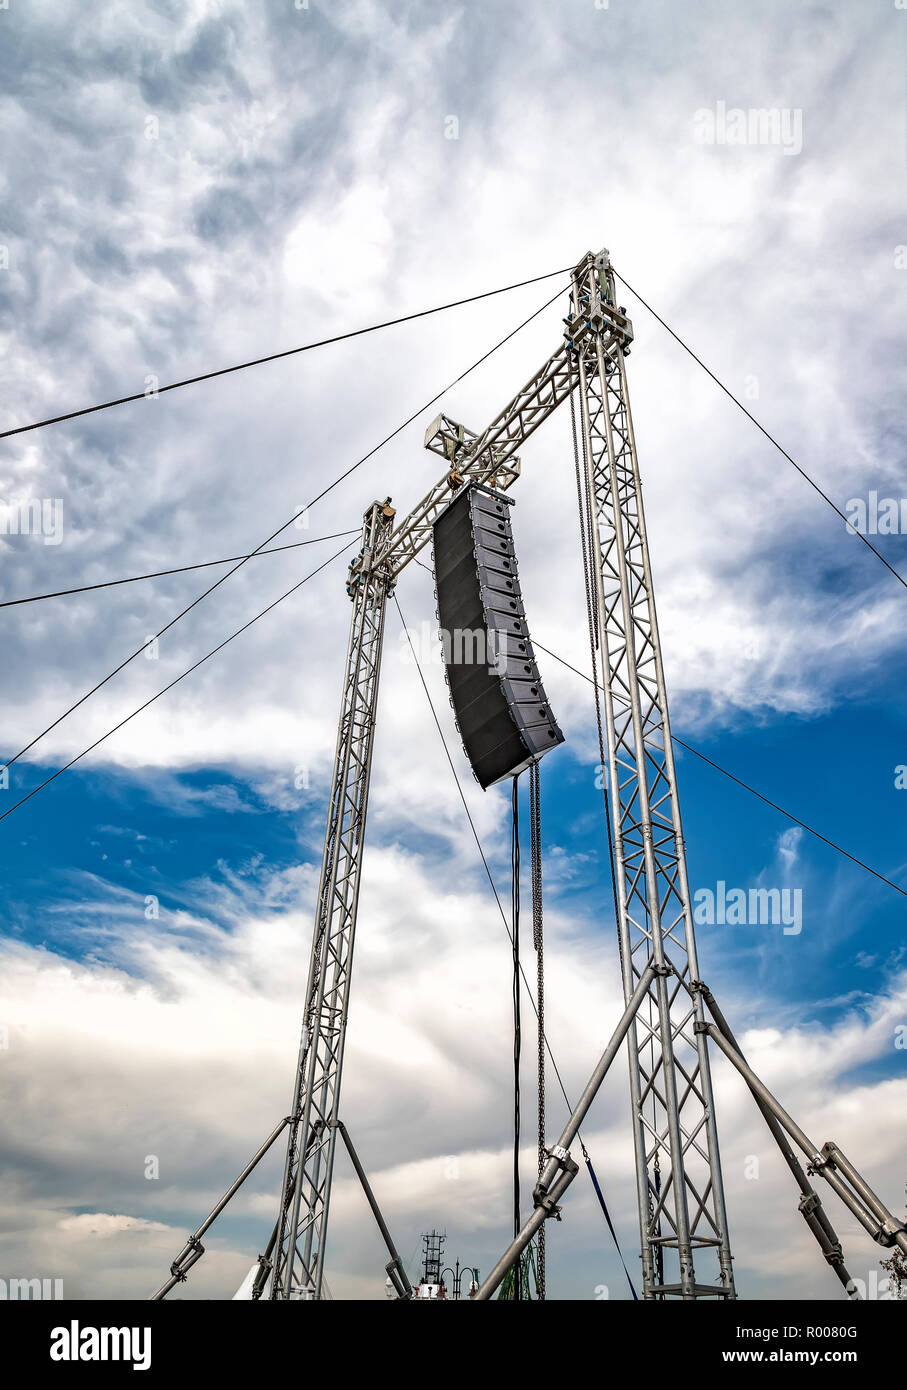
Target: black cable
x,y
750,416
276,356
188,672
324,492
475,836
517,1035
180,569
494,890
724,772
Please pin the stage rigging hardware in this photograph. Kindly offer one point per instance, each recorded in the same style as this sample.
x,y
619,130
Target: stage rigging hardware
x,y
683,1226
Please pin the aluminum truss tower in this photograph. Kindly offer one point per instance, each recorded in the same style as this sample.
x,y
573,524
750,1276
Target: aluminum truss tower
x,y
298,1260
293,1267
678,1171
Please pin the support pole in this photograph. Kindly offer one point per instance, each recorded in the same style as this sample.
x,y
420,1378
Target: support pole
x,y
193,1250
395,1268
680,1190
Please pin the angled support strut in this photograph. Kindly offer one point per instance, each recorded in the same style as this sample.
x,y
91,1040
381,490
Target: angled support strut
x,y
561,1169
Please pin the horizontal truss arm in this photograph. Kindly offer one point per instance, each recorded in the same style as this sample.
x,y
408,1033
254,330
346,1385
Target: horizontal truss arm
x,y
481,458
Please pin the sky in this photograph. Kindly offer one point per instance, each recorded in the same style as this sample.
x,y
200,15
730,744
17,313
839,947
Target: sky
x,y
185,186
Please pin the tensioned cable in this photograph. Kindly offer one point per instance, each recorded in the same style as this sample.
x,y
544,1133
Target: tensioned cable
x,y
475,834
718,768
770,437
276,356
180,569
789,815
517,1029
428,404
194,667
324,492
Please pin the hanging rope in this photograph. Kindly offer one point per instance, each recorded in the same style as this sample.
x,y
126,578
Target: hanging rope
x,y
517,1039
535,818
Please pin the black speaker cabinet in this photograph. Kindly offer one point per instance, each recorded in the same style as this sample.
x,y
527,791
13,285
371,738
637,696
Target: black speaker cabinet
x,y
497,696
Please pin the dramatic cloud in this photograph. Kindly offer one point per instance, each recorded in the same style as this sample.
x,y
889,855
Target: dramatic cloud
x,y
191,185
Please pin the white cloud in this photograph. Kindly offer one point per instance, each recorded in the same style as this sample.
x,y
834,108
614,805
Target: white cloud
x,y
179,1045
300,185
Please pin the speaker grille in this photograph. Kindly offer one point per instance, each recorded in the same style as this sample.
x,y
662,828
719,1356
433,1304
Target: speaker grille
x,y
496,692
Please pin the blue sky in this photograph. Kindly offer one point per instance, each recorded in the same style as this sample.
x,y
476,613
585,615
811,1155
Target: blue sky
x,y
189,186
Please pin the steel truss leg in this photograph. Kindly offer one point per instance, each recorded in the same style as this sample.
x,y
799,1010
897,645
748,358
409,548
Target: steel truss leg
x,y
395,1271
828,1162
305,1195
680,1192
810,1205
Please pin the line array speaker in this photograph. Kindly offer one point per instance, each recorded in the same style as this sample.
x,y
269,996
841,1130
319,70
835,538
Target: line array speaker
x,y
496,692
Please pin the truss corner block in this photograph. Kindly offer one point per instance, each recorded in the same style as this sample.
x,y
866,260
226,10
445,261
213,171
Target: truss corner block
x,y
433,431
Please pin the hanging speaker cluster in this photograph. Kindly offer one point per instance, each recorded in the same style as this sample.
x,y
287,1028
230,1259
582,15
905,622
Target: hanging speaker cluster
x,y
497,695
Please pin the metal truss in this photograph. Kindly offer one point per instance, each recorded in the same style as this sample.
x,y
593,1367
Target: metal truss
x,y
679,1187
682,1217
298,1261
828,1163
678,1173
489,457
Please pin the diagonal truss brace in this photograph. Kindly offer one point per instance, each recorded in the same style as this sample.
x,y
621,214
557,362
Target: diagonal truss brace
x,y
193,1250
810,1206
829,1162
490,457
